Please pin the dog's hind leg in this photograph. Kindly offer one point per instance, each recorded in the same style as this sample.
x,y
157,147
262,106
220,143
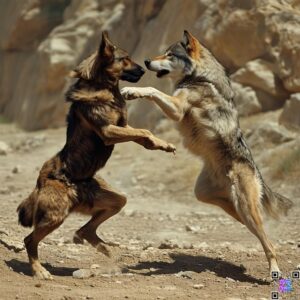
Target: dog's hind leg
x,y
31,244
106,203
51,208
246,193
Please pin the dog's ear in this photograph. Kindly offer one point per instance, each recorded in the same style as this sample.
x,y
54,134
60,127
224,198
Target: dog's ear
x,y
191,44
89,68
106,49
85,69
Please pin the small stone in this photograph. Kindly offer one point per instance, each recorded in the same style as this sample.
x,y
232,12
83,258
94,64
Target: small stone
x,y
148,245
198,286
4,148
129,213
168,245
186,245
185,274
95,266
202,245
2,231
170,287
16,169
82,273
255,284
38,285
5,190
11,244
230,279
193,229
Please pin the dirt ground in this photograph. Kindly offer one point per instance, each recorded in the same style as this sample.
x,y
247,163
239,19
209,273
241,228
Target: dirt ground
x,y
170,245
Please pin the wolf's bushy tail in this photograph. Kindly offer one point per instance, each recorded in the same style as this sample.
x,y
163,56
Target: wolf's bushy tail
x,y
26,211
275,204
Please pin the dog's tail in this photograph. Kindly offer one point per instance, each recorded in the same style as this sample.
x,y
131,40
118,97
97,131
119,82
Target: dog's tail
x,y
275,204
26,211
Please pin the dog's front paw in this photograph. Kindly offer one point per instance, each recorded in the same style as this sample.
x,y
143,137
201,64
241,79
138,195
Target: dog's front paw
x,y
154,143
167,147
130,93
170,148
40,272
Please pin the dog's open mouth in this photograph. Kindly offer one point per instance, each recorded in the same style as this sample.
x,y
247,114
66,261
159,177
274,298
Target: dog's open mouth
x,y
162,72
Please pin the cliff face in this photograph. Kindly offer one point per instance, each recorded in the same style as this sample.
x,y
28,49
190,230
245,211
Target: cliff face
x,y
41,40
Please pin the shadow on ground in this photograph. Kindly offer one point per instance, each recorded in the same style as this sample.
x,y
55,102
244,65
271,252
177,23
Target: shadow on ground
x,y
198,264
24,267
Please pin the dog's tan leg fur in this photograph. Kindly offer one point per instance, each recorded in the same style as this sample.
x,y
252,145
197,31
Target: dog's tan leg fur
x,y
31,244
112,134
107,203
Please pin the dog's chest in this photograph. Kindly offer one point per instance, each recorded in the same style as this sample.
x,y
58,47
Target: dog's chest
x,y
114,113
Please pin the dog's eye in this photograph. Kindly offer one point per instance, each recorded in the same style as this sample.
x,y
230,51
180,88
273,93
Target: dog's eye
x,y
169,54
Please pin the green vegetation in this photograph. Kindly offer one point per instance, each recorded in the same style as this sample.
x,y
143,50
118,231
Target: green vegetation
x,y
3,120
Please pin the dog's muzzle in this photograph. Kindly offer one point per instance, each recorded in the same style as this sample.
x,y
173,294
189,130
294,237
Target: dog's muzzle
x,y
133,75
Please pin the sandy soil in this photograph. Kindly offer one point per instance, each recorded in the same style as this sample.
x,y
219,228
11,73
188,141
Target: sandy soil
x,y
170,245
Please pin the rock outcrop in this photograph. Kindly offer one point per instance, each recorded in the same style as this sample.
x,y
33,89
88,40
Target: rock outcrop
x,y
290,116
258,41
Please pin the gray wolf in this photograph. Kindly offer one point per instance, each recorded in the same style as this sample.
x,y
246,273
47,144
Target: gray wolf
x,y
203,108
97,120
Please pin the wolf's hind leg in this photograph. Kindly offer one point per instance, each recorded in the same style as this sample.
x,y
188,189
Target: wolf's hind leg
x,y
206,191
106,203
246,197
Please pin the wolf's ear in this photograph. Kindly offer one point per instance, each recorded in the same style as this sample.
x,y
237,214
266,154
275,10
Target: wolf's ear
x,y
106,48
191,45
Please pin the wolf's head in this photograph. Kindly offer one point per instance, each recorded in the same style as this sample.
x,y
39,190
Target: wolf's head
x,y
179,60
108,63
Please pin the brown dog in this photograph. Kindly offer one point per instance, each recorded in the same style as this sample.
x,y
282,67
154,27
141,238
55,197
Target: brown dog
x,y
96,121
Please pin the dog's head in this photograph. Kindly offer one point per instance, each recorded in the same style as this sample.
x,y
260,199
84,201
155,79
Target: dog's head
x,y
178,60
110,63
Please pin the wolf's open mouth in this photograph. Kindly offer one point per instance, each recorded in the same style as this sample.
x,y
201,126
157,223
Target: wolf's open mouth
x,y
161,73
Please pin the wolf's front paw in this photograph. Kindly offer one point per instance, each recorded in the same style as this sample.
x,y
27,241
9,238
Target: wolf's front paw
x,y
130,93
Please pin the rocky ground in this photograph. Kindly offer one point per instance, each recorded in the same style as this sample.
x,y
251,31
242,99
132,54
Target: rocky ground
x,y
170,245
